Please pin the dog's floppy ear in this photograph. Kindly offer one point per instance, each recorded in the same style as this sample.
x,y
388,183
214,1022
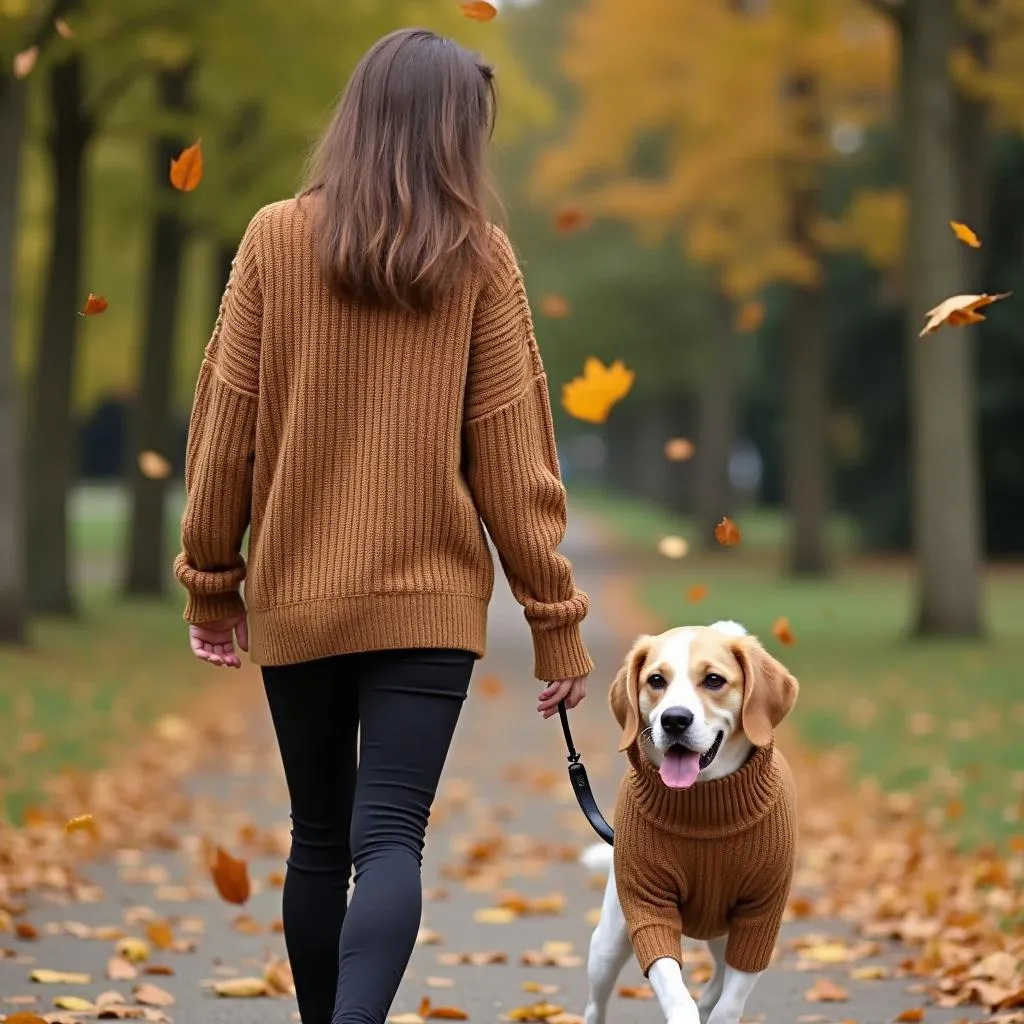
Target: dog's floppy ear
x,y
624,697
769,690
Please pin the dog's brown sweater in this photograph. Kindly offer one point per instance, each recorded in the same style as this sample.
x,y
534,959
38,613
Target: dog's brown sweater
x,y
362,447
715,858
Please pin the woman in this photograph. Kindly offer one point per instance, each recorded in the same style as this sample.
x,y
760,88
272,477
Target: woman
x,y
371,398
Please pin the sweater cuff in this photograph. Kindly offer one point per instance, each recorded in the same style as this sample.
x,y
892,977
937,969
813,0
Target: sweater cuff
x,y
200,608
751,944
560,653
653,941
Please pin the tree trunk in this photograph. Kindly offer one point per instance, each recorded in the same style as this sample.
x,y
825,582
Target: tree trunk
x,y
13,625
805,458
151,426
50,442
946,514
717,409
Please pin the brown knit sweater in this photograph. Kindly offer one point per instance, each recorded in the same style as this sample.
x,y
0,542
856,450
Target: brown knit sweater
x,y
362,448
715,858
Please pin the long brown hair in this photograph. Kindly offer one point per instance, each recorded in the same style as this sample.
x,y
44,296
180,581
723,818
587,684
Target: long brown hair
x,y
400,173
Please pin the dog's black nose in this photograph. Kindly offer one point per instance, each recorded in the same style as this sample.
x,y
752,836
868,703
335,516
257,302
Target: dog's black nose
x,y
675,721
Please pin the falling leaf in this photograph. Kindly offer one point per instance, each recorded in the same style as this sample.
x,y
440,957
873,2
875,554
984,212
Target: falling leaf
x,y
911,1015
494,915
119,969
826,991
25,930
554,306
148,994
590,398
63,29
727,533
94,305
489,686
478,10
76,1004
25,61
965,234
679,449
750,317
636,992
569,219
241,988
187,169
133,949
782,632
230,876
959,310
159,934
673,547
697,593
44,976
153,466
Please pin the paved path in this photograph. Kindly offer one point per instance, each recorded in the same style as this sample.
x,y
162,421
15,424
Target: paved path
x,y
505,822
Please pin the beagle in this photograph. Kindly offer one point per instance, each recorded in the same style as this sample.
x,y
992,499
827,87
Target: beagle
x,y
698,706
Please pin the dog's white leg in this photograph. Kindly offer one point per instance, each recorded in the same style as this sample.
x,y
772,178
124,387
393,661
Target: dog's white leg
x,y
677,1004
610,948
736,989
713,989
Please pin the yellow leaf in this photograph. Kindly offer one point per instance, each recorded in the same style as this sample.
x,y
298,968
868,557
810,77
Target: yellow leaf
x,y
870,972
81,823
187,168
965,234
494,915
479,10
241,988
133,949
958,311
76,1004
44,976
590,398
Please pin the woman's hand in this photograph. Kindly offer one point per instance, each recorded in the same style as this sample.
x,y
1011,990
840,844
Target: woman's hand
x,y
215,641
572,690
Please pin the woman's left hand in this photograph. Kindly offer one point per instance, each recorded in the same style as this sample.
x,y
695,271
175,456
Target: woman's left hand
x,y
215,641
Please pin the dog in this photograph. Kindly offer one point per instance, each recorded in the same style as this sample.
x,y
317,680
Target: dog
x,y
698,706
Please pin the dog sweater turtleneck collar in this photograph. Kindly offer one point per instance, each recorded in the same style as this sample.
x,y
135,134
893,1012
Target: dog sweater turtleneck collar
x,y
719,807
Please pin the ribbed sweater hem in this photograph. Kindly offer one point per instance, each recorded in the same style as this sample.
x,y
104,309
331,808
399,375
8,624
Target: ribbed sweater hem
x,y
325,627
651,942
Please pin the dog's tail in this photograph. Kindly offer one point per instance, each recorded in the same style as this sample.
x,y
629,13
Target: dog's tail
x,y
597,857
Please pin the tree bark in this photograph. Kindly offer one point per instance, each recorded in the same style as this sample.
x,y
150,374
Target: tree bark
x,y
946,513
717,415
50,442
13,618
151,425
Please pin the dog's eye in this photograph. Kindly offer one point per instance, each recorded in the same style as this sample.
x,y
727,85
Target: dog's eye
x,y
713,681
656,681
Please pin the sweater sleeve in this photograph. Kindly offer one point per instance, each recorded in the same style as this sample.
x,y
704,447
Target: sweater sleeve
x,y
219,455
511,469
651,908
755,922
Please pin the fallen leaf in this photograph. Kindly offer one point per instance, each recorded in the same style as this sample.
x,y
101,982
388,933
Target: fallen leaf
x,y
159,970
230,876
154,466
275,879
636,992
536,1012
44,976
569,219
673,547
27,931
679,449
826,991
133,949
697,593
24,1017
119,969
494,915
539,987
94,305
476,959
152,995
24,62
428,937
447,1013
749,317
554,306
965,234
782,632
727,533
911,1015
590,398
406,1018
187,168
478,10
958,311
241,988
439,982
246,925
870,972
160,935
76,1004
63,29
278,975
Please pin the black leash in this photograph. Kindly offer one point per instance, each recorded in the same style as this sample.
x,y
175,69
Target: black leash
x,y
581,784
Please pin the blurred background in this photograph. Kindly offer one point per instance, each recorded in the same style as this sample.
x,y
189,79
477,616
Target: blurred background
x,y
747,202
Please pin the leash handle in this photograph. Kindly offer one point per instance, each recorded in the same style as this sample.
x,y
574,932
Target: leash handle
x,y
581,784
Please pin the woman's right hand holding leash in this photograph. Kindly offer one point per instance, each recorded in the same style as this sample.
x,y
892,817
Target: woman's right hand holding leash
x,y
572,691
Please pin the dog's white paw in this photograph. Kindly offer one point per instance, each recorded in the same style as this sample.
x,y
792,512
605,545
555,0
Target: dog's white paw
x,y
598,857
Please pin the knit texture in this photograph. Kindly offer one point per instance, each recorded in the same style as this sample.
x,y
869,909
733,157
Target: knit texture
x,y
366,450
713,859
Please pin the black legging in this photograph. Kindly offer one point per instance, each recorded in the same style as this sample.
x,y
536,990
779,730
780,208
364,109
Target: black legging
x,y
348,960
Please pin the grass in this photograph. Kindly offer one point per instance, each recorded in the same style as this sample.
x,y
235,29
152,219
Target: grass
x,y
910,711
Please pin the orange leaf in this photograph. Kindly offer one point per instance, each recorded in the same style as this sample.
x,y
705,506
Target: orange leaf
x,y
187,169
154,466
958,311
679,449
230,876
554,306
636,992
159,934
162,970
94,305
275,879
424,1008
24,62
479,10
750,317
727,533
569,219
697,593
490,686
965,234
911,1015
447,1013
782,632
24,1017
26,931
826,991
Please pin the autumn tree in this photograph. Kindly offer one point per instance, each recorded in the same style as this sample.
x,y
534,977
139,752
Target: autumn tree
x,y
741,99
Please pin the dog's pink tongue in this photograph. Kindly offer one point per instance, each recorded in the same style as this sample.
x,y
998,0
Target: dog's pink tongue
x,y
680,768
